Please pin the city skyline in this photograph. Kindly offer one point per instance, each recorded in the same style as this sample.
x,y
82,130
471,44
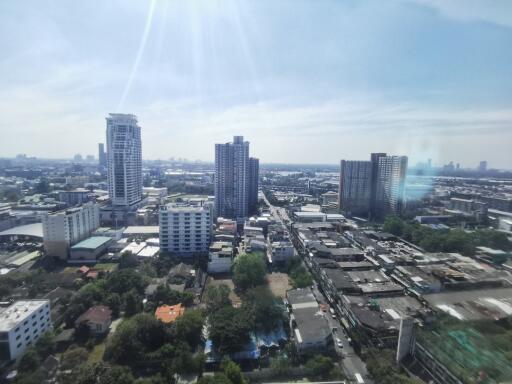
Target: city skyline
x,y
424,78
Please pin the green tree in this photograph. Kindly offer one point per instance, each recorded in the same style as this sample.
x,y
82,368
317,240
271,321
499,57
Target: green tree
x,y
218,378
45,345
102,373
382,367
30,361
394,225
135,338
128,260
133,303
189,326
281,366
249,270
459,241
263,308
184,362
232,372
123,280
114,302
300,277
73,357
229,329
319,367
164,295
36,377
217,297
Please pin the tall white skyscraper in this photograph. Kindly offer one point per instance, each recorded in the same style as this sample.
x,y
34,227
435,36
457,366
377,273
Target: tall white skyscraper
x,y
124,159
232,182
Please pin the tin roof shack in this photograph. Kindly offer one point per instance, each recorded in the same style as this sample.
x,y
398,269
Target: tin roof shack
x,y
417,279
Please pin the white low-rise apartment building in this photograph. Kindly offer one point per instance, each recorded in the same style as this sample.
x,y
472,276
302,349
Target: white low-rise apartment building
x,y
65,228
186,228
220,257
21,324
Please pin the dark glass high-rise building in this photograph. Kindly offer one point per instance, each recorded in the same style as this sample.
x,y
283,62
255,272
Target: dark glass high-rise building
x,y
355,187
254,174
102,156
372,188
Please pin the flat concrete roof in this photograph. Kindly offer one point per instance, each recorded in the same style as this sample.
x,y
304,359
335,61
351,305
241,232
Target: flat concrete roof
x,y
18,312
143,229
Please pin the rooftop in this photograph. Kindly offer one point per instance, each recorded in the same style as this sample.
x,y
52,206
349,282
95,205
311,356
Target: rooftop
x,y
35,230
311,323
17,312
473,304
301,298
92,242
96,314
141,229
169,313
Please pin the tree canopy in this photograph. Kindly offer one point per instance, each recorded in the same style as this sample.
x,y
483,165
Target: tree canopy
x,y
446,240
217,297
229,329
264,310
319,367
249,270
136,337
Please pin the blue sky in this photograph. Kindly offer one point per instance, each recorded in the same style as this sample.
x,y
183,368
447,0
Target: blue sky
x,y
304,81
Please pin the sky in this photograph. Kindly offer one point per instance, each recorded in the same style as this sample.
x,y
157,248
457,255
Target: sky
x,y
304,81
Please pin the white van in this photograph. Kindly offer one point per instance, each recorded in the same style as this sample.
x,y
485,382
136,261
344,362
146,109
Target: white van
x,y
359,378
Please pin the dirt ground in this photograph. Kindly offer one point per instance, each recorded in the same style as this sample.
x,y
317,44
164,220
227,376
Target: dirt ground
x,y
279,284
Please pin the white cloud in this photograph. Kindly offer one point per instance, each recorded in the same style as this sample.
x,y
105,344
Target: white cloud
x,y
312,133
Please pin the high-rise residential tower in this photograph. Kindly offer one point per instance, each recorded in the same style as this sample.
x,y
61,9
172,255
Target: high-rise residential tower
x,y
355,187
373,188
232,179
254,173
124,159
102,156
390,186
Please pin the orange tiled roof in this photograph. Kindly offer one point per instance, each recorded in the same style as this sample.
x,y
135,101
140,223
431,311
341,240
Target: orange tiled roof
x,y
169,313
92,274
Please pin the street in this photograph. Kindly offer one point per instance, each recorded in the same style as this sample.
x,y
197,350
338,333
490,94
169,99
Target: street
x,y
350,361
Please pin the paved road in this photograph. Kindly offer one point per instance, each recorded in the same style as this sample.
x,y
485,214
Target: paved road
x,y
351,362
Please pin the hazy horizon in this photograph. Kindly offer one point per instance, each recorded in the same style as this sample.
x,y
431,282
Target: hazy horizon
x,y
304,82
